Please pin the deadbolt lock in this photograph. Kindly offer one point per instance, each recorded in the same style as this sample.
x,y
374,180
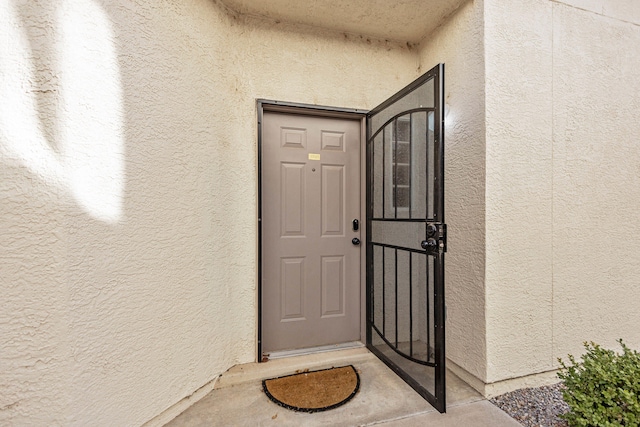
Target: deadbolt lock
x,y
436,242
429,243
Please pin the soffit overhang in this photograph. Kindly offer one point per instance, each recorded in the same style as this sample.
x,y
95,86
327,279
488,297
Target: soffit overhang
x,y
399,20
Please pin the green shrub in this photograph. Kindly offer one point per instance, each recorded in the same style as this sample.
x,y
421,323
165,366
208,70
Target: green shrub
x,y
603,390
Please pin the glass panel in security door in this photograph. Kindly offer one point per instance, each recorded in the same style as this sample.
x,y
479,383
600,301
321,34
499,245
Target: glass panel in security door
x,y
406,236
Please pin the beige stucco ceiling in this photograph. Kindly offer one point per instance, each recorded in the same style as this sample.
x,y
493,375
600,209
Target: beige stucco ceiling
x,y
400,20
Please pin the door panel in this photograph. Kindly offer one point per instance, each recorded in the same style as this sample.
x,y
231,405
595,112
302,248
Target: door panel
x,y
332,282
292,186
292,289
406,235
333,216
310,195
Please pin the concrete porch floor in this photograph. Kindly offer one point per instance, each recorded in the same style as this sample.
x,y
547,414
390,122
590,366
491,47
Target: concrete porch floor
x,y
383,399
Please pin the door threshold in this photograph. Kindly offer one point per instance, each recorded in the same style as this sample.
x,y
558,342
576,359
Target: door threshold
x,y
314,350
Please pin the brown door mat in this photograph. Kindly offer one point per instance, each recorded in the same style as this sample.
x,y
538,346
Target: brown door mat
x,y
314,391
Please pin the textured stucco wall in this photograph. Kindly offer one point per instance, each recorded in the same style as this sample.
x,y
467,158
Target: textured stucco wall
x,y
128,188
128,193
518,188
308,65
596,174
562,162
120,275
458,43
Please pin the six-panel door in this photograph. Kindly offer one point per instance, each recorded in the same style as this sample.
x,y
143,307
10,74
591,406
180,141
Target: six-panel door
x,y
310,197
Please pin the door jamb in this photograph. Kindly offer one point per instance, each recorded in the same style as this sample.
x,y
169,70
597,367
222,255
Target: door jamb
x,y
317,111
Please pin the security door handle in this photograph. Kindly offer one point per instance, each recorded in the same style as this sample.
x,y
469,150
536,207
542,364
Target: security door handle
x,y
429,244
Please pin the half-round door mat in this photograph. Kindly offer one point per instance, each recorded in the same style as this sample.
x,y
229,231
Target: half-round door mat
x,y
314,391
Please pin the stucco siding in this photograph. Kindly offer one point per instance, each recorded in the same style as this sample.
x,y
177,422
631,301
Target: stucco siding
x,y
128,187
128,193
621,10
562,164
518,188
596,166
120,301
458,43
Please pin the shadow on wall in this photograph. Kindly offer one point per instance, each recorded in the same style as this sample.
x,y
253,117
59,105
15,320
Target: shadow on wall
x,y
118,210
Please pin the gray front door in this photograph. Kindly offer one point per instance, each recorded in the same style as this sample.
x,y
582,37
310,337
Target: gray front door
x,y
406,235
310,263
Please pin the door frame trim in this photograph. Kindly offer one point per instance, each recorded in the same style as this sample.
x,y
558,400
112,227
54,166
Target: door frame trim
x,y
263,105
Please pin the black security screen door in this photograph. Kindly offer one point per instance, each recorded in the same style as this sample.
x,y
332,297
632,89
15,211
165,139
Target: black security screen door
x,y
406,235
